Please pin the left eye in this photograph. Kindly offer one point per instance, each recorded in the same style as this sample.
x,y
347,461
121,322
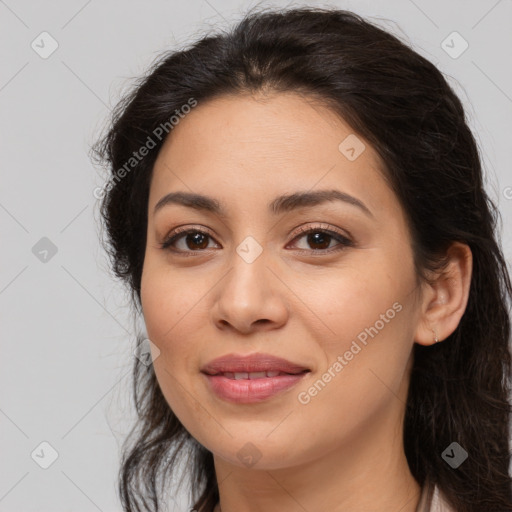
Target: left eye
x,y
196,240
321,239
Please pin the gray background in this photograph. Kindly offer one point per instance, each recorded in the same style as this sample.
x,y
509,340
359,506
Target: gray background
x,y
67,334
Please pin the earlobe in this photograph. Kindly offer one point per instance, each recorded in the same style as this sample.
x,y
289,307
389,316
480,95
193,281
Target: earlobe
x,y
446,297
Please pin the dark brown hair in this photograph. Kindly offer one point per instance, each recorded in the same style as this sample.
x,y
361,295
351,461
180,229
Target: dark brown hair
x,y
399,102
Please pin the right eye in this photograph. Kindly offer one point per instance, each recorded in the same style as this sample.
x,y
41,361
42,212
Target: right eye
x,y
192,240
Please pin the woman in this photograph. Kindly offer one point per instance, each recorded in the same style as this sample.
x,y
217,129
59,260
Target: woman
x,y
298,209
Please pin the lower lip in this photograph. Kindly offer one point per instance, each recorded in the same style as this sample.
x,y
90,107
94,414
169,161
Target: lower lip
x,y
247,391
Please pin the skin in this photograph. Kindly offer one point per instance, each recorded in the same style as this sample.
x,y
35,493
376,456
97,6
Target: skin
x,y
343,450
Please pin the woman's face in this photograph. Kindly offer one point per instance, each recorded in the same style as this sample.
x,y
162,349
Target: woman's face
x,y
339,301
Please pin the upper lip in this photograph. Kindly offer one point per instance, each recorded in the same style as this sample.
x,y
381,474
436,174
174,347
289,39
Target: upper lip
x,y
233,363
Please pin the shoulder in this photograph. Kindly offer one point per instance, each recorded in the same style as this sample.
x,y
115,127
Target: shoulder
x,y
433,500
439,503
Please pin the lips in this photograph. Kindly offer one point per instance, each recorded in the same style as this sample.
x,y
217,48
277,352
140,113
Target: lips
x,y
254,366
251,379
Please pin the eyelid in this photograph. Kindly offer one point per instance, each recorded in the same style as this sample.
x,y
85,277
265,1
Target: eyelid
x,y
189,227
307,228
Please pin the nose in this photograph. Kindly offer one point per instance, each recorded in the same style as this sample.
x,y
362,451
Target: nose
x,y
250,297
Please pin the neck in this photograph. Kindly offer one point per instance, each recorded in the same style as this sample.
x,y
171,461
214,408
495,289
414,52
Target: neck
x,y
355,477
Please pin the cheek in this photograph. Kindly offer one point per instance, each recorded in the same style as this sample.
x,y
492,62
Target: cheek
x,y
355,298
365,354
367,316
166,302
176,312
170,314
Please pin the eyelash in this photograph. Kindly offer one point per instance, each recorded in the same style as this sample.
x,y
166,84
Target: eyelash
x,y
179,232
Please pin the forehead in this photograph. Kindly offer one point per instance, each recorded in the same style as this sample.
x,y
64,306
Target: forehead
x,y
277,122
266,144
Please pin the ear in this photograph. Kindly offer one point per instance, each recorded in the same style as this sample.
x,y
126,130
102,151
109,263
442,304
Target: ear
x,y
444,300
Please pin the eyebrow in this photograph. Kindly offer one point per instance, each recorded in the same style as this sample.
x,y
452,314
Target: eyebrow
x,y
281,204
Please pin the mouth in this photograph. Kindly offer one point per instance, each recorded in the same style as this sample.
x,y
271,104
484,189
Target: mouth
x,y
254,375
253,378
